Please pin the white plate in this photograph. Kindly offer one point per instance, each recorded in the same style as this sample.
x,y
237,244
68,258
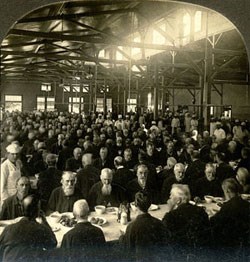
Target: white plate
x,y
245,196
153,207
104,221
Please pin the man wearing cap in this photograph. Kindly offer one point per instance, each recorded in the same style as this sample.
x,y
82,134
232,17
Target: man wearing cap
x,y
119,124
10,171
219,133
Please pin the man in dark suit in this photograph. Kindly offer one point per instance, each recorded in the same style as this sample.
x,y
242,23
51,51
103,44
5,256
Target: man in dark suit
x,y
105,192
103,161
223,169
178,178
231,225
87,176
122,176
74,163
141,183
27,239
84,241
48,180
207,185
188,224
145,238
13,205
195,169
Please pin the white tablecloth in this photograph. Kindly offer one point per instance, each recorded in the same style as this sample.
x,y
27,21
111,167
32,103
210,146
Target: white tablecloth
x,y
112,228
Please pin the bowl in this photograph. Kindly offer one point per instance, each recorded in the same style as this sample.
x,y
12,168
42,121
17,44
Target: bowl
x,y
208,199
54,218
100,209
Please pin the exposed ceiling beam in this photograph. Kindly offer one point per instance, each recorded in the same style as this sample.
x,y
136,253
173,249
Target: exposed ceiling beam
x,y
76,15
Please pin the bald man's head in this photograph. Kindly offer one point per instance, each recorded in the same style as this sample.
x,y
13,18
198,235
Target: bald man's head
x,y
81,209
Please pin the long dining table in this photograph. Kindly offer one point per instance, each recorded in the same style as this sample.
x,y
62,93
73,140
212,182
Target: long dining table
x,y
111,228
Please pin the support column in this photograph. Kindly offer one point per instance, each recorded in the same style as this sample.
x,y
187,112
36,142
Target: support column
x,y
156,91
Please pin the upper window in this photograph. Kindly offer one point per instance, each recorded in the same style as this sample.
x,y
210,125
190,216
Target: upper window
x,y
46,87
186,24
13,103
197,19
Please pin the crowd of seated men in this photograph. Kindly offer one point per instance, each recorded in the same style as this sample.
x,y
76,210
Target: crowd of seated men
x,y
109,159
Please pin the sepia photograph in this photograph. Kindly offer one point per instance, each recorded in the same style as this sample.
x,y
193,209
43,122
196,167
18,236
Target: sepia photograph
x,y
124,130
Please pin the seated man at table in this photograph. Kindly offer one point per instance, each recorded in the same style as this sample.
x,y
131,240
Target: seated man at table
x,y
145,238
84,240
243,178
13,205
231,225
140,183
106,193
178,178
63,198
207,185
188,224
27,239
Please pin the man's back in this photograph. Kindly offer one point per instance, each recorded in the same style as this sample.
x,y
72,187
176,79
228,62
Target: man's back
x,y
231,225
82,237
25,241
188,226
145,237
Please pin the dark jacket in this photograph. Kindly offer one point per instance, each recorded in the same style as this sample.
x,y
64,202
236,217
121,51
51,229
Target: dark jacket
x,y
231,225
12,208
145,239
26,241
188,226
85,241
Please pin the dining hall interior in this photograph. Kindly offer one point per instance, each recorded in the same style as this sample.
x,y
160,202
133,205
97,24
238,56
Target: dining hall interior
x,y
124,130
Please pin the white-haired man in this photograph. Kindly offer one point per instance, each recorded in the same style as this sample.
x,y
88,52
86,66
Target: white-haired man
x,y
84,239
188,224
104,192
63,198
178,178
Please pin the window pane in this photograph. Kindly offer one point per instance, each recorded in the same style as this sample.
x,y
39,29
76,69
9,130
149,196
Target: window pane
x,y
40,99
109,104
66,88
13,98
76,99
76,88
99,105
50,103
197,21
76,108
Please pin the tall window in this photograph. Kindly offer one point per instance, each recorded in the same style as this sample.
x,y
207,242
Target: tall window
x,y
109,104
45,103
76,104
149,100
13,103
50,103
131,104
186,24
40,103
99,105
197,21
